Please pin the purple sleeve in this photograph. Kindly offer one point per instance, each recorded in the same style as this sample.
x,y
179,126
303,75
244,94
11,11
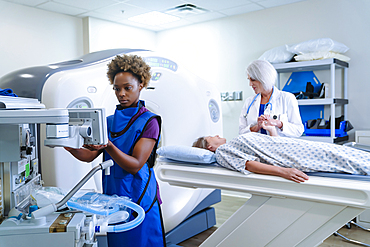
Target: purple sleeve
x,y
152,130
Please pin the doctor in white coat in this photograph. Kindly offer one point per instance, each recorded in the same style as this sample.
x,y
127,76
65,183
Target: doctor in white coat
x,y
270,105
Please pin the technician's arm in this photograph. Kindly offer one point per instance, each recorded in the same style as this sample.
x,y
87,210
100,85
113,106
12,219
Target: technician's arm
x,y
288,173
140,155
84,154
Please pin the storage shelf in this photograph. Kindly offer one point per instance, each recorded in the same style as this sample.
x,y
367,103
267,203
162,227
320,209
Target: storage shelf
x,y
327,101
324,64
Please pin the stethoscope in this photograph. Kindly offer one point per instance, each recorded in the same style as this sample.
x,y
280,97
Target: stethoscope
x,y
268,104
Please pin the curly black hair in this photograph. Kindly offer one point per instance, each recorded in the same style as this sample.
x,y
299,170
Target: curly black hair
x,y
129,63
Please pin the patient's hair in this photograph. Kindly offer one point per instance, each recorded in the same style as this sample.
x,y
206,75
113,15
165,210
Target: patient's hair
x,y
262,71
129,63
201,143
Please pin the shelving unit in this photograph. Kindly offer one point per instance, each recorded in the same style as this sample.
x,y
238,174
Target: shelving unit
x,y
327,64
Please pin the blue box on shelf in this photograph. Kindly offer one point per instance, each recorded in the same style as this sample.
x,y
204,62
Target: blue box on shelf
x,y
341,132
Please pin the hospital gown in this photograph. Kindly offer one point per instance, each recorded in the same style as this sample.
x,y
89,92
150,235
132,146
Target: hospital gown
x,y
307,156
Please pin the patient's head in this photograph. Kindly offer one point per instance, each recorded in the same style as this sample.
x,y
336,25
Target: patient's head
x,y
210,143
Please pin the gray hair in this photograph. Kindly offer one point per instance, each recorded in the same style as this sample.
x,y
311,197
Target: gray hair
x,y
262,71
201,142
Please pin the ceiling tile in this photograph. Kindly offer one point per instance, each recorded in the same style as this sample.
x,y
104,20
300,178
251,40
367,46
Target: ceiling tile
x,y
274,3
117,9
120,10
241,9
87,4
29,2
205,17
155,5
219,4
100,16
61,8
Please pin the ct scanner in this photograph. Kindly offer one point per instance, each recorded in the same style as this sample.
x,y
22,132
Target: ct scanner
x,y
188,105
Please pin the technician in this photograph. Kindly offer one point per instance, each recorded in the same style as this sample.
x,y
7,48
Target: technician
x,y
269,105
133,140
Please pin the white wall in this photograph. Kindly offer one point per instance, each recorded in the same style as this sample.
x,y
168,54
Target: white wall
x,y
31,37
220,50
104,35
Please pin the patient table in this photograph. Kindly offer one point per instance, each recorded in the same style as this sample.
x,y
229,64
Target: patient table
x,y
280,212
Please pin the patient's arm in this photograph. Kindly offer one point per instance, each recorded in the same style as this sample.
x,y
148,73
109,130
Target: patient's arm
x,y
288,173
270,128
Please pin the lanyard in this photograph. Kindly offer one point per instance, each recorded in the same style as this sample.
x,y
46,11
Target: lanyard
x,y
254,99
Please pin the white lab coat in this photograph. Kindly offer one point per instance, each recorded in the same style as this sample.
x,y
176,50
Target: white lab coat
x,y
284,106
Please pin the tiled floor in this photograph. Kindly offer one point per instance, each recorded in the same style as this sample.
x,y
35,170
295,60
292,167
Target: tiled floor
x,y
230,204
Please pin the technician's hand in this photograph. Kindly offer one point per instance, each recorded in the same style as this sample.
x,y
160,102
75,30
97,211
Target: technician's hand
x,y
294,175
95,147
69,149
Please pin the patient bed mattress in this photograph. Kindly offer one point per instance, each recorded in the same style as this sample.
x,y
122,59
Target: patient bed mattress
x,y
340,175
280,212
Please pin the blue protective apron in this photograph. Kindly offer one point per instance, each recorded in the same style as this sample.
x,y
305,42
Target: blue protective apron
x,y
141,187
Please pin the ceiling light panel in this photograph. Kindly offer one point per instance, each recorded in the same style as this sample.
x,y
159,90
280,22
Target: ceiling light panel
x,y
139,25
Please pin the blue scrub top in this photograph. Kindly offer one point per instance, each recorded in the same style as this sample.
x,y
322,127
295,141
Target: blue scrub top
x,y
261,112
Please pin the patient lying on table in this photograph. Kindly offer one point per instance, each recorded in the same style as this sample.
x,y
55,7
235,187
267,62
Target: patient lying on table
x,y
283,156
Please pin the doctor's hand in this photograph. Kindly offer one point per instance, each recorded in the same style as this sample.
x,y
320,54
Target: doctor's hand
x,y
258,126
294,175
270,121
